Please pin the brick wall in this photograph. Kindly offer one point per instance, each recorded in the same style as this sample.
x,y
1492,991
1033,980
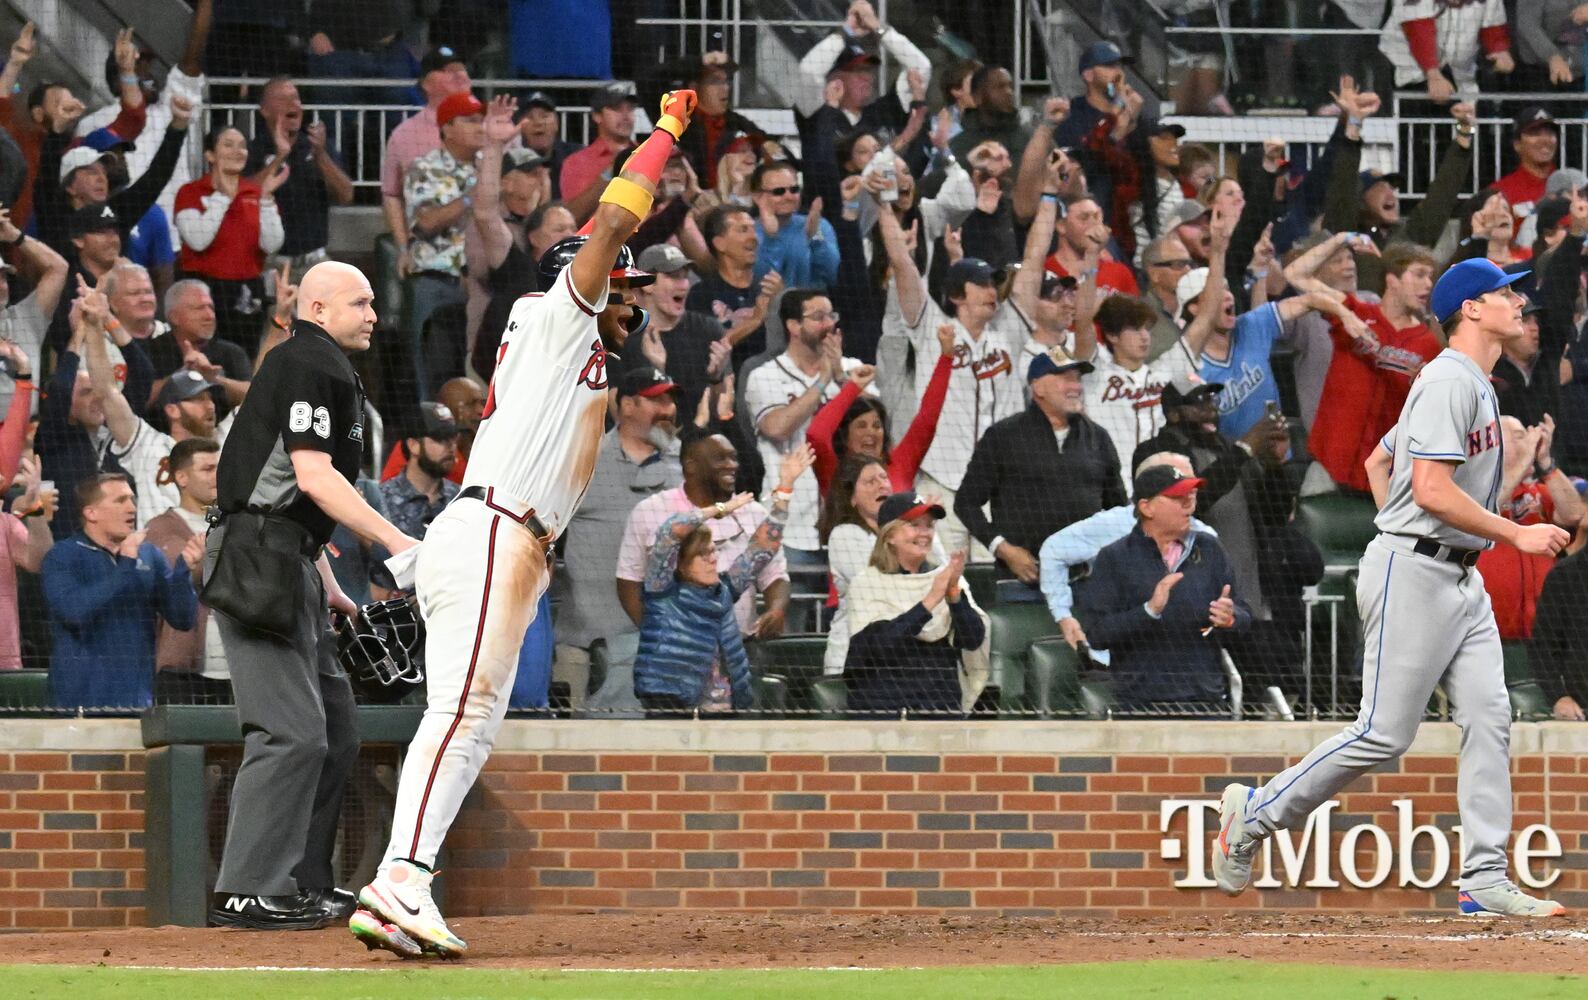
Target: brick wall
x,y
71,839
921,817
1016,834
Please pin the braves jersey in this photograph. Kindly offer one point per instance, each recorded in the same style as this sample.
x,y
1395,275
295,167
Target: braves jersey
x,y
546,409
1451,415
983,389
1124,403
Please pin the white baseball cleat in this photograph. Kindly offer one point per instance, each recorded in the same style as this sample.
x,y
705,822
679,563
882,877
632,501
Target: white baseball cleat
x,y
401,896
1505,900
377,933
1234,848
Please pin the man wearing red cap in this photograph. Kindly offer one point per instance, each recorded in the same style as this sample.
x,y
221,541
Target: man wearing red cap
x,y
438,196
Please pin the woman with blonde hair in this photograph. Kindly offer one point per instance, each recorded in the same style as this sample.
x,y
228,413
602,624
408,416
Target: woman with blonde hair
x,y
917,635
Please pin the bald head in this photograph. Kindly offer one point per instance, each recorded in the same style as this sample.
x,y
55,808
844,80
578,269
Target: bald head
x,y
337,298
465,397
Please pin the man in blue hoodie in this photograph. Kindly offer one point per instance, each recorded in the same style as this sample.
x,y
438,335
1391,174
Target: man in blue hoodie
x,y
106,587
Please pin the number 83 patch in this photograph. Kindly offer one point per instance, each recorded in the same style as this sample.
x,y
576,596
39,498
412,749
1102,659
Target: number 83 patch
x,y
302,417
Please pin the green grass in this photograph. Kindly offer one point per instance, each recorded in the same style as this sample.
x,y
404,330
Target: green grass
x,y
1225,980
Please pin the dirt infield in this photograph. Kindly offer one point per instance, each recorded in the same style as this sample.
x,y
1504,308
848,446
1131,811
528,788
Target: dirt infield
x,y
693,941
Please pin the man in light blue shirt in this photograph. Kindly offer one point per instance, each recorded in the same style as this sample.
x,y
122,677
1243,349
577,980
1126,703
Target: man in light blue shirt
x,y
802,248
1079,543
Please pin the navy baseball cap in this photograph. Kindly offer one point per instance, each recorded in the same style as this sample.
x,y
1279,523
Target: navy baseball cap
x,y
906,506
1468,280
1101,54
1054,361
969,271
1369,178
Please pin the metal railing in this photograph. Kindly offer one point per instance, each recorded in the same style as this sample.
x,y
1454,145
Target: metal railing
x,y
1423,137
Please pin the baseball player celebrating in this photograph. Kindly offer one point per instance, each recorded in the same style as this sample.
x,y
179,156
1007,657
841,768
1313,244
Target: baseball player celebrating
x,y
482,567
1424,612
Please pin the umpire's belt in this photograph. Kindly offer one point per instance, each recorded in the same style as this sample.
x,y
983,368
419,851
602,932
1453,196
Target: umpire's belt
x,y
1434,550
510,508
271,531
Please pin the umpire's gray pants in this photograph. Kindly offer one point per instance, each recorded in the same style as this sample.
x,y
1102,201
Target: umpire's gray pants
x,y
300,738
1423,620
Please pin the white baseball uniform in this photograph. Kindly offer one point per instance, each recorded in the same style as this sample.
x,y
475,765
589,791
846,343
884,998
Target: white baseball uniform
x,y
481,571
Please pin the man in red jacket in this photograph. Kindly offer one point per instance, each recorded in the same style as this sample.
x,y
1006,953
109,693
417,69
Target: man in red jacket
x,y
1375,358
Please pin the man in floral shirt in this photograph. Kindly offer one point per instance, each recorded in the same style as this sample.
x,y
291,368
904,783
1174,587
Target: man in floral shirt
x,y
438,194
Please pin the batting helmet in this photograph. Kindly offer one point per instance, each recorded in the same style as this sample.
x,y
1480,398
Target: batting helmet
x,y
374,647
562,252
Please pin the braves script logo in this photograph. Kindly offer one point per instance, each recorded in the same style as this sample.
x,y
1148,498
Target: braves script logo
x,y
990,365
1140,397
594,374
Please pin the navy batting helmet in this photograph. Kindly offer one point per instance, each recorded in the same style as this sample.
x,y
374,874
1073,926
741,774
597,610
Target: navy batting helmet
x,y
562,252
374,646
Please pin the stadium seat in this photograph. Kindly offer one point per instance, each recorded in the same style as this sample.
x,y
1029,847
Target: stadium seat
x,y
771,694
390,302
1340,525
1097,695
1528,700
796,659
831,697
982,578
1014,628
1055,678
24,689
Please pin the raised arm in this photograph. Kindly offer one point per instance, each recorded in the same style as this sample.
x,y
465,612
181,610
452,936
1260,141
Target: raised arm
x,y
495,238
1027,286
1299,273
1211,302
92,309
51,267
627,199
906,276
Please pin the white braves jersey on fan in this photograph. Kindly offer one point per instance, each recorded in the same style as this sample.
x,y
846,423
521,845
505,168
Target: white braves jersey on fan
x,y
1124,403
547,405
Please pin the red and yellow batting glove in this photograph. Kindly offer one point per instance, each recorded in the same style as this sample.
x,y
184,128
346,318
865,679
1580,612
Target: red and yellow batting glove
x,y
677,106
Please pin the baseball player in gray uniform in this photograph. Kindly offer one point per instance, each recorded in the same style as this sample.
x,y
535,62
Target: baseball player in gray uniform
x,y
1425,615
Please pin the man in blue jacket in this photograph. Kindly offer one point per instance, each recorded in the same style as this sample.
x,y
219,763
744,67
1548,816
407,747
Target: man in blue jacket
x,y
1158,599
106,586
802,247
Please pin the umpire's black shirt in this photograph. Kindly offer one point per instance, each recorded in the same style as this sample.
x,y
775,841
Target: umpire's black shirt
x,y
305,395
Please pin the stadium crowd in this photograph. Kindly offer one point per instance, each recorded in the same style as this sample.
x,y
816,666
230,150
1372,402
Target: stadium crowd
x,y
969,356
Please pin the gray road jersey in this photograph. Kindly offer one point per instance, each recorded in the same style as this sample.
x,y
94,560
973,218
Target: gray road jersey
x,y
1451,415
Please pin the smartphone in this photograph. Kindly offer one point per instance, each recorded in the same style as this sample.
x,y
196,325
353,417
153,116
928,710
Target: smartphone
x,y
1271,410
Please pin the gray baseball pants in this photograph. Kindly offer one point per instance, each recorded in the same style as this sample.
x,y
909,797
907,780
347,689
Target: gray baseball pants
x,y
300,739
1423,621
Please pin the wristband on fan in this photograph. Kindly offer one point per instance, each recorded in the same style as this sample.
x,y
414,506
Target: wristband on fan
x,y
629,196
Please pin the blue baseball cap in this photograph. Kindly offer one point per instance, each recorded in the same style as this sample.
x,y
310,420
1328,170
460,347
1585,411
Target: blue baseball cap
x,y
1053,361
1101,54
1468,280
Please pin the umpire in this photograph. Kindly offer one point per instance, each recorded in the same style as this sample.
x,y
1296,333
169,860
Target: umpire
x,y
285,482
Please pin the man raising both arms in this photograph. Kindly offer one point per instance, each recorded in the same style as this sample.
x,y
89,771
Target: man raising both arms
x,y
1425,615
482,567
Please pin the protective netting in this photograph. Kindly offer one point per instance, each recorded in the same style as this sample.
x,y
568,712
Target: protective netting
x,y
976,256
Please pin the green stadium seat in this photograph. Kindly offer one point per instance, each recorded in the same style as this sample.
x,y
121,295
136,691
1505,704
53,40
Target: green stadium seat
x,y
982,578
1097,695
1339,524
796,659
831,697
771,694
25,690
1014,628
1528,700
390,302
1055,680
